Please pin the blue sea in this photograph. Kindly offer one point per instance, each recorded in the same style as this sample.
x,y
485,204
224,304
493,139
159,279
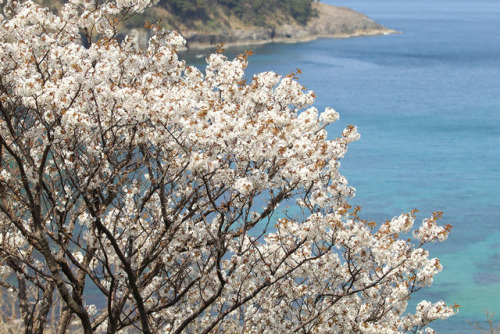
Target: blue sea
x,y
427,105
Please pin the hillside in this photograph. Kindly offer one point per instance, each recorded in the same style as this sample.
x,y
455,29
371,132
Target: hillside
x,y
212,15
228,26
206,23
331,22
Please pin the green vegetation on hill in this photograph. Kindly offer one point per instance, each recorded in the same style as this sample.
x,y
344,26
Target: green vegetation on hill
x,y
215,13
255,12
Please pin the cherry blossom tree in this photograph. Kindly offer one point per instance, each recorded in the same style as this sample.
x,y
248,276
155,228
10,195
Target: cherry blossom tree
x,y
155,188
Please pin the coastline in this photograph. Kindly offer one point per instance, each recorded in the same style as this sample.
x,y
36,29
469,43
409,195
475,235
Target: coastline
x,y
332,22
291,40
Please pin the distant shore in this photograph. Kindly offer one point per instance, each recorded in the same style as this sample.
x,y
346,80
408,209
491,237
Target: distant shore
x,y
332,22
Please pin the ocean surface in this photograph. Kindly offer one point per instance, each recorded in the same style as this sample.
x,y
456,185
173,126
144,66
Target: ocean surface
x,y
427,105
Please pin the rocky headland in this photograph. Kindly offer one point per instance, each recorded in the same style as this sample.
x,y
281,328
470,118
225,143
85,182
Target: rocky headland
x,y
331,22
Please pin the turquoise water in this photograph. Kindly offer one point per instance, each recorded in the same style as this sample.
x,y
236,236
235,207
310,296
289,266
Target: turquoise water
x,y
427,104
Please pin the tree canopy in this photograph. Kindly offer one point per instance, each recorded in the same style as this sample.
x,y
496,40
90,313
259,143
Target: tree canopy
x,y
161,191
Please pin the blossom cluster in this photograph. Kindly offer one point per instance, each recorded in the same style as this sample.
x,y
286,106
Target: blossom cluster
x,y
164,189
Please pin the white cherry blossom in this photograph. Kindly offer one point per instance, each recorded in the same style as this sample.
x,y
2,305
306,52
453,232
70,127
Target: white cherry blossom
x,y
165,191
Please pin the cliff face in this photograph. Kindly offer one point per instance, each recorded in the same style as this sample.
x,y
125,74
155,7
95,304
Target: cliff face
x,y
332,22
